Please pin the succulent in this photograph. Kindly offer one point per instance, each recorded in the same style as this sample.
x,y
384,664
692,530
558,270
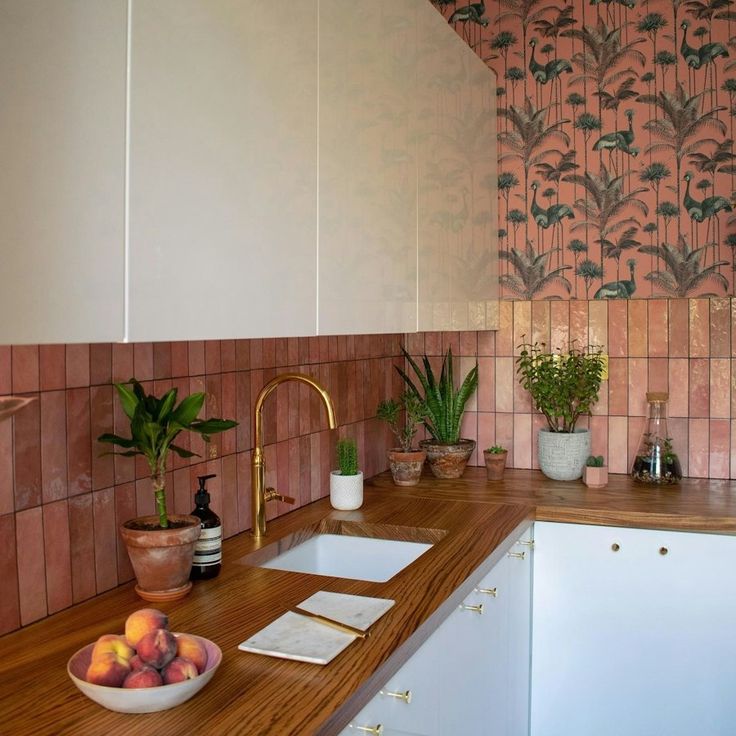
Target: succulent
x,y
347,456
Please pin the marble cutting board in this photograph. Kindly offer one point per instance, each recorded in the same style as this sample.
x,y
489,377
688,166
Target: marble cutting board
x,y
292,636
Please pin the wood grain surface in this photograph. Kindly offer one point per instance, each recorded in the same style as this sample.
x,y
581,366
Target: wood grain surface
x,y
257,695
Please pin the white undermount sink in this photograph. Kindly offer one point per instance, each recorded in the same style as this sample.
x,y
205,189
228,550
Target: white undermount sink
x,y
358,558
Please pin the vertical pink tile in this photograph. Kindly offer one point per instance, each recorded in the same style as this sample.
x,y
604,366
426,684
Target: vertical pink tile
x,y
617,458
26,368
522,324
228,511
699,388
143,361
243,412
720,328
27,456
486,384
269,353
636,427
101,421
720,448
598,323
179,359
541,316
82,546
658,374
505,384
658,328
486,342
679,387
123,367
145,504
105,531
244,480
124,511
618,329
282,351
161,360
637,386
678,429
7,494
256,353
9,604
698,450
559,325
77,366
486,430
679,331
229,411
305,472
53,446
31,565
212,356
100,363
579,324
6,372
183,491
58,555
52,367
522,398
196,358
334,353
451,340
522,440
538,423
505,334
699,327
505,434
432,344
637,326
720,388
469,430
599,436
469,343
733,452
78,434
242,354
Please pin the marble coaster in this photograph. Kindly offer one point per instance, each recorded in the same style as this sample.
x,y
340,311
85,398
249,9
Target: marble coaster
x,y
292,636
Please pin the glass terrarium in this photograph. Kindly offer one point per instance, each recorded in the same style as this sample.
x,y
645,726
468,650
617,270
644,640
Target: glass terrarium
x,y
656,461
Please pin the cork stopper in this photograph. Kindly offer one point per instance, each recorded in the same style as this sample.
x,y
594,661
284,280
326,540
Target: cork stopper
x,y
658,397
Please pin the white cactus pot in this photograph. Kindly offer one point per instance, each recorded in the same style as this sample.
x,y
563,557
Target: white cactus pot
x,y
346,491
562,455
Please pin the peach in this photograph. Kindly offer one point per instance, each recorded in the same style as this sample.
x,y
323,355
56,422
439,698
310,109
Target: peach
x,y
108,669
146,676
136,662
142,622
112,643
192,649
157,648
178,670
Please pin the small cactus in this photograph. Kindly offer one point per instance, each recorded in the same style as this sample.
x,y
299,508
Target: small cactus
x,y
496,450
347,456
595,461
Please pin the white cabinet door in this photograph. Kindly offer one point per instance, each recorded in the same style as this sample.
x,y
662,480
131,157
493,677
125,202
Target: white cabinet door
x,y
457,170
62,157
367,174
633,632
223,170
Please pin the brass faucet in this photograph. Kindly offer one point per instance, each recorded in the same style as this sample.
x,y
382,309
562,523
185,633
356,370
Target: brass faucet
x,y
259,494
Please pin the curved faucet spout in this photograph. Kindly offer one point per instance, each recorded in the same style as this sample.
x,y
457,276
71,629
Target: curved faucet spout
x,y
260,494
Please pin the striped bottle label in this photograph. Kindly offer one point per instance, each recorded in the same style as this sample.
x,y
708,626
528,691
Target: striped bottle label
x,y
208,550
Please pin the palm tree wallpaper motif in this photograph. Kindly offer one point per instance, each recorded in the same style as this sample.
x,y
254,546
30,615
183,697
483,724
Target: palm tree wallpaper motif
x,y
617,169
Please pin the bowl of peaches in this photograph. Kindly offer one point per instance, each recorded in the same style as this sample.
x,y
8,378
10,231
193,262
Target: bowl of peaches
x,y
147,669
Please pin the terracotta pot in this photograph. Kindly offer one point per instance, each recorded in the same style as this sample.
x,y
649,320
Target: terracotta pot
x,y
161,558
495,464
406,467
448,460
595,477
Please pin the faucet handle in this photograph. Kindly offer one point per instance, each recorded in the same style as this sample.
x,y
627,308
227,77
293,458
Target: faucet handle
x,y
271,494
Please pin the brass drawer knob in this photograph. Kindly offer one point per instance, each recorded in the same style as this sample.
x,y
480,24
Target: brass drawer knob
x,y
517,555
376,730
474,609
488,591
405,696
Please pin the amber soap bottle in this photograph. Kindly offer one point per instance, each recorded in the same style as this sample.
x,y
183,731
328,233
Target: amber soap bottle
x,y
208,550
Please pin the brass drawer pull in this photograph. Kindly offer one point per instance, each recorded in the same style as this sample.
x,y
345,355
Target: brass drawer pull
x,y
475,609
376,730
488,591
527,543
405,696
517,555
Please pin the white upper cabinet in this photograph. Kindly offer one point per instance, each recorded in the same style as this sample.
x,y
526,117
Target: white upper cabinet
x,y
367,176
62,158
223,170
457,170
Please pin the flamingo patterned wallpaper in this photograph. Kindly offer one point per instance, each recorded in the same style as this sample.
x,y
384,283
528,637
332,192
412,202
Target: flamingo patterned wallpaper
x,y
616,131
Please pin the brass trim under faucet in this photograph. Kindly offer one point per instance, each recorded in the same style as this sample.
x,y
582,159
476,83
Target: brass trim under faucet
x,y
259,494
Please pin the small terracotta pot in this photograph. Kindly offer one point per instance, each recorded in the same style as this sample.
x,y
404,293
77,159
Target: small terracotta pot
x,y
161,558
495,464
406,467
448,460
595,477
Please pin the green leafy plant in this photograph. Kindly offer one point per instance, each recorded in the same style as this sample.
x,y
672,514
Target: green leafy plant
x,y
595,461
154,425
442,406
496,450
563,385
347,456
389,411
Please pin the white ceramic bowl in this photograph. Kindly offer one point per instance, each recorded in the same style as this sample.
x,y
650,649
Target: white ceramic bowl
x,y
145,699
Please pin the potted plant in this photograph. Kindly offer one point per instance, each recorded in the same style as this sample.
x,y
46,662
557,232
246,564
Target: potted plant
x,y
442,408
564,386
346,483
495,458
161,547
595,473
405,461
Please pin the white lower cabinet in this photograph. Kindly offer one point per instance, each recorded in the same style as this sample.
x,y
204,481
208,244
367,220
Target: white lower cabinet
x,y
633,632
461,679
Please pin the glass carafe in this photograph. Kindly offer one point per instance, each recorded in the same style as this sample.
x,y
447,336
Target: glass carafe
x,y
656,461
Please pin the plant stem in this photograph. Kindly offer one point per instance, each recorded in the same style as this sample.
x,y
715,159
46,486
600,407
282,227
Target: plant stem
x,y
158,478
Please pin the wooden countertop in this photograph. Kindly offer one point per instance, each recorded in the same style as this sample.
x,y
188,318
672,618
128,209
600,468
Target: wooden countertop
x,y
251,694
